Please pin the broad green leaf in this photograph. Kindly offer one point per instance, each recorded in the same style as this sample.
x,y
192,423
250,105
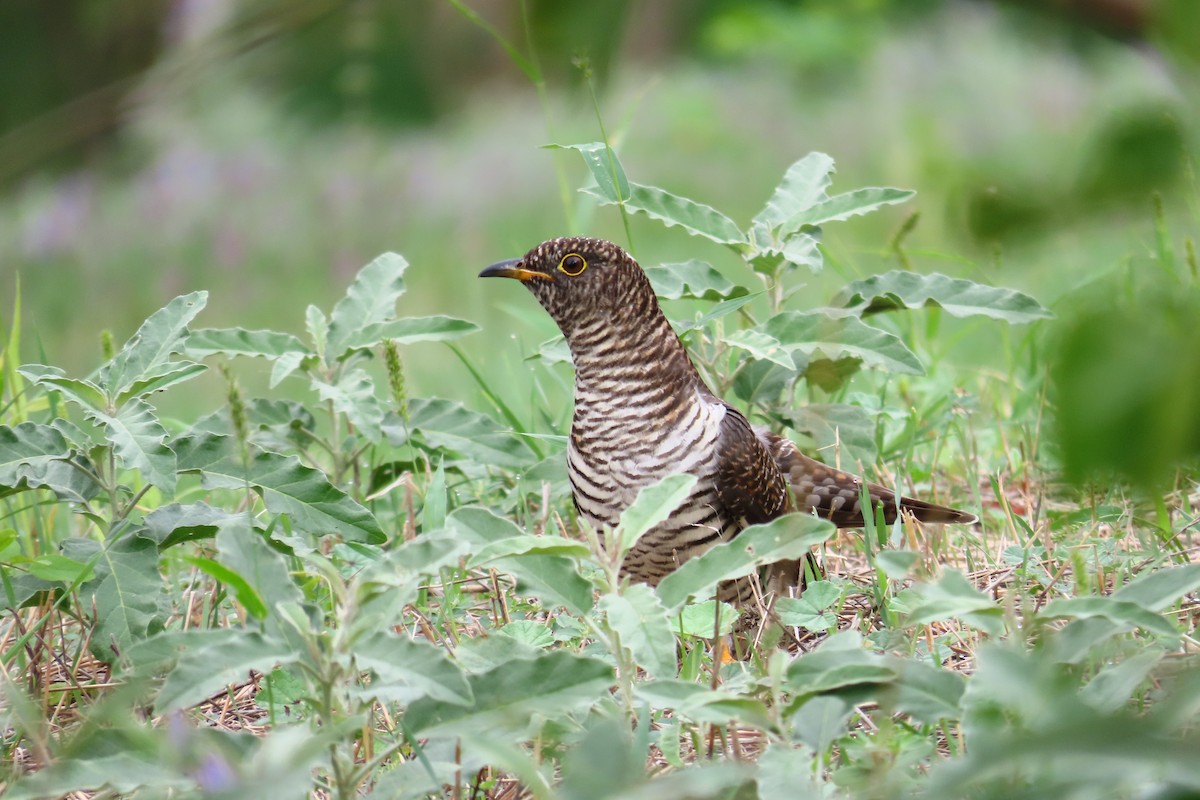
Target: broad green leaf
x,y
804,185
83,392
959,297
954,596
929,693
811,610
527,543
59,569
508,697
839,662
703,704
157,379
370,300
786,771
896,564
171,524
232,342
1121,612
838,425
242,590
654,504
671,210
606,169
820,336
1116,683
484,653
530,632
286,364
162,334
410,330
820,720
761,346
246,551
1158,590
121,774
786,538
641,622
317,325
693,280
354,395
760,381
34,456
800,249
202,671
311,502
126,591
450,426
844,206
554,579
138,439
407,670
699,619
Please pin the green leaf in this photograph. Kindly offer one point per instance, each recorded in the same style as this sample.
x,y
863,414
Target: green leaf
x,y
1115,684
817,335
838,663
311,502
162,334
450,426
692,280
407,670
530,632
722,309
928,693
138,439
640,619
121,773
1121,612
34,456
844,206
955,596
508,697
786,538
695,218
59,569
247,552
354,395
699,619
370,300
126,591
246,594
820,720
82,392
527,543
206,668
654,504
838,425
761,346
157,379
1158,590
175,523
703,704
232,342
804,185
410,330
959,297
554,579
760,381
606,169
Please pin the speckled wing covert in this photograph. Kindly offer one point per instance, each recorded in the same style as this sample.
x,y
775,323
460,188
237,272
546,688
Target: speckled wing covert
x,y
834,495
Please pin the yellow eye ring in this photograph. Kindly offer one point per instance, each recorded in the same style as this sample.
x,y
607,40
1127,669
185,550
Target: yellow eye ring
x,y
572,264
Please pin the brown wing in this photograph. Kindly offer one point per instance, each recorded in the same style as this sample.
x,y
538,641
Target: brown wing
x,y
749,483
834,495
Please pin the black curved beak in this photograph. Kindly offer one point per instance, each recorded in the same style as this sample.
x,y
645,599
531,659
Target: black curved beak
x,y
510,269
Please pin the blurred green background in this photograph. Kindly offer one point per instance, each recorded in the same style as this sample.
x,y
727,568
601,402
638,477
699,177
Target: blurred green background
x,y
264,150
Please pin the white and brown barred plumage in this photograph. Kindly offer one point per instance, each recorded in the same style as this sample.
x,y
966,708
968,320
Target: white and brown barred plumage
x,y
642,412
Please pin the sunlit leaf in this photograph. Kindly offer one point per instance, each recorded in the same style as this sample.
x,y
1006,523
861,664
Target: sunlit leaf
x,y
959,297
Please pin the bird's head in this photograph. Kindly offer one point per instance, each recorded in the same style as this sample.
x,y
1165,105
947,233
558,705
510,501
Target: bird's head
x,y
580,281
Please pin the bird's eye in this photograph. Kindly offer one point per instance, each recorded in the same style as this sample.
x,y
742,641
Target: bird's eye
x,y
572,264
